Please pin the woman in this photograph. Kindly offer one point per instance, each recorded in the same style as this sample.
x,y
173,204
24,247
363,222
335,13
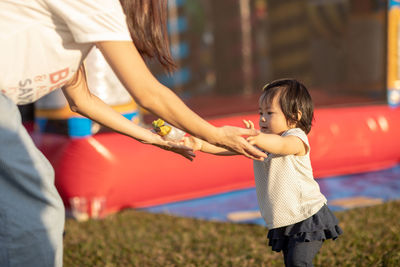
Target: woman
x,y
43,44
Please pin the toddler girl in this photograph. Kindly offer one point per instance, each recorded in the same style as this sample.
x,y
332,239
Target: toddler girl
x,y
289,198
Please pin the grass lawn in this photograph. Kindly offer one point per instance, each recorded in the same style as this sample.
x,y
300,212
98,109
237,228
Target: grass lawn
x,y
133,238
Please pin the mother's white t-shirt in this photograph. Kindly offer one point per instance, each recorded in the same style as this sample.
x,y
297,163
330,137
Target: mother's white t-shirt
x,y
43,42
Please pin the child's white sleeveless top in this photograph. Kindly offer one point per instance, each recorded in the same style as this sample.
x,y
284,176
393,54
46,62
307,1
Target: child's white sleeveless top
x,y
286,190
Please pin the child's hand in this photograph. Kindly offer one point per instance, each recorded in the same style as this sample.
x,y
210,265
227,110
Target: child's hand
x,y
251,139
249,124
193,142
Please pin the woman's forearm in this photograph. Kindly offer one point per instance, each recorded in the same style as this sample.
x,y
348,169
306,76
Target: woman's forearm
x,y
168,106
215,150
152,95
98,111
86,104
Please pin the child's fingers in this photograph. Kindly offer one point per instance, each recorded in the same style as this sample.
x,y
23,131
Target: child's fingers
x,y
246,123
251,124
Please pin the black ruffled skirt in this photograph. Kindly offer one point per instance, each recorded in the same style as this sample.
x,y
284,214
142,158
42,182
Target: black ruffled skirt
x,y
321,226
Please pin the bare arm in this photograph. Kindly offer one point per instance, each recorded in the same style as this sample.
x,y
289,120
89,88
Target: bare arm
x,y
200,145
276,144
83,102
132,71
280,145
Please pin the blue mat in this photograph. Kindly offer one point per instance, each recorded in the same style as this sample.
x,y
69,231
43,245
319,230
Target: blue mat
x,y
241,206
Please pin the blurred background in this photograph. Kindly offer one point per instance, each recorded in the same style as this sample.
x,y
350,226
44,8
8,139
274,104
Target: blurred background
x,y
226,50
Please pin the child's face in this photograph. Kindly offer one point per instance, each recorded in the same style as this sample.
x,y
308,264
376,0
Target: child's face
x,y
272,119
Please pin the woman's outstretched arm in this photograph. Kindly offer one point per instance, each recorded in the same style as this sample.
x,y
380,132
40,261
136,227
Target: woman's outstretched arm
x,y
132,71
83,102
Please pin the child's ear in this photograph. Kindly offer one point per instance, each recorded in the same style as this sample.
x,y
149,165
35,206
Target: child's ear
x,y
299,114
293,123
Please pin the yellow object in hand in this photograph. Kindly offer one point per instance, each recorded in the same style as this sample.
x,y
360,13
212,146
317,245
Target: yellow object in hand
x,y
164,130
160,127
158,123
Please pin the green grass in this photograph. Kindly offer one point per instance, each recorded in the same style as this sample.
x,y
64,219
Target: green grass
x,y
133,238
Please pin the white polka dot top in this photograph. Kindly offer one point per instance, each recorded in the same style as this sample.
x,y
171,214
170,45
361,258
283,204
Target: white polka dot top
x,y
286,190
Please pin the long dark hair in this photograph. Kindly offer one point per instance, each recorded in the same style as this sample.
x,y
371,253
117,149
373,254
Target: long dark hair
x,y
146,21
294,97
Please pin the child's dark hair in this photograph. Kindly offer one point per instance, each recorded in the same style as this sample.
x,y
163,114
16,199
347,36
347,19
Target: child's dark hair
x,y
294,97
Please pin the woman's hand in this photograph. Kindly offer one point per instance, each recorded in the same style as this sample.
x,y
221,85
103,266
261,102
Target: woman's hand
x,y
193,142
233,140
179,148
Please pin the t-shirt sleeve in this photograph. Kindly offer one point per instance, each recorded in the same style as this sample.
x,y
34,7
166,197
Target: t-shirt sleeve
x,y
300,134
92,20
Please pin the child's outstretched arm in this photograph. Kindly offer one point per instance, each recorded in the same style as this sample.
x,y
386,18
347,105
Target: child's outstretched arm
x,y
276,144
